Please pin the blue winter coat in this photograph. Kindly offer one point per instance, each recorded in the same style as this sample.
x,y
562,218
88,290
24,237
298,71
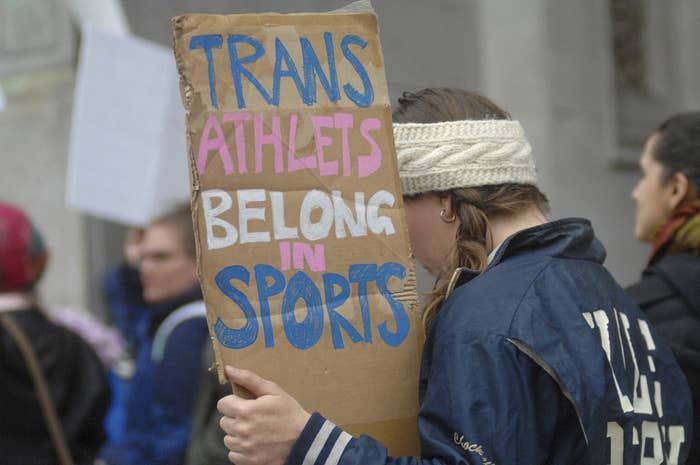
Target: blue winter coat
x,y
541,359
130,314
162,391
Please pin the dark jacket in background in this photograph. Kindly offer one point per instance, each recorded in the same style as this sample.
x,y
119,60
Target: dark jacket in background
x,y
77,384
206,445
669,293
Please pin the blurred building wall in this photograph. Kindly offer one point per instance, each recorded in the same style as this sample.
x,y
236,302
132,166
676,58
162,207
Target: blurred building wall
x,y
34,133
37,46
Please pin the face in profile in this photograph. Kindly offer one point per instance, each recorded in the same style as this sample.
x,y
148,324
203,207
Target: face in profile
x,y
652,194
431,237
167,270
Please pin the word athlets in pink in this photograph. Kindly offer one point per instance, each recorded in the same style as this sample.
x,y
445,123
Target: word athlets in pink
x,y
326,130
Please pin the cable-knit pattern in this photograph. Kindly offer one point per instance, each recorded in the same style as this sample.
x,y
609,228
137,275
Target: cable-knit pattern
x,y
442,156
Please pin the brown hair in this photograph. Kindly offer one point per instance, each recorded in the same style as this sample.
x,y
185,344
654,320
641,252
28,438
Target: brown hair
x,y
473,206
180,219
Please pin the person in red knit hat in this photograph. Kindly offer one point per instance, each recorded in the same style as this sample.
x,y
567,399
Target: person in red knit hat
x,y
78,393
23,256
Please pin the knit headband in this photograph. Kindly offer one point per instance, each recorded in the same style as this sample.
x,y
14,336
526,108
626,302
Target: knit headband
x,y
454,154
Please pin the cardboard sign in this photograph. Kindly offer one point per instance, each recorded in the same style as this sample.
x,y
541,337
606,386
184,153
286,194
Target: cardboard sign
x,y
127,160
303,252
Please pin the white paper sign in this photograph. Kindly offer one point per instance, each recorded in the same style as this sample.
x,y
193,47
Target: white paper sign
x,y
128,160
105,15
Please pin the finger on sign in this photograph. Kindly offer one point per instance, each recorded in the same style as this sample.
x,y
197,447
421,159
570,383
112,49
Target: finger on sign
x,y
227,424
248,380
229,406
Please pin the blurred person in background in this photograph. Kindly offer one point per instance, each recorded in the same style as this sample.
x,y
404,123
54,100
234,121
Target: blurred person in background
x,y
130,315
53,389
668,217
123,292
168,361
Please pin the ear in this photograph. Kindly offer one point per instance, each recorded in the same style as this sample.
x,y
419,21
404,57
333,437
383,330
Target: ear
x,y
680,189
446,204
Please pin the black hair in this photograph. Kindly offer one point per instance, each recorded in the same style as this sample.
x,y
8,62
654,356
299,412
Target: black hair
x,y
678,147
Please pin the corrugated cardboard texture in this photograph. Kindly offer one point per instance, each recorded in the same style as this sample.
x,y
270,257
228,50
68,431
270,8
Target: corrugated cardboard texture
x,y
333,318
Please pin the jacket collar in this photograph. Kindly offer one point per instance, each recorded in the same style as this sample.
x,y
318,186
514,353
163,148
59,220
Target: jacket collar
x,y
162,310
565,238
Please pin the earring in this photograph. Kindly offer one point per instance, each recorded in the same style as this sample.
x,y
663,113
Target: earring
x,y
446,219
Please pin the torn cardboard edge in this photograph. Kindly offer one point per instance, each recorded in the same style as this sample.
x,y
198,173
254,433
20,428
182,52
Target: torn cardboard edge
x,y
408,296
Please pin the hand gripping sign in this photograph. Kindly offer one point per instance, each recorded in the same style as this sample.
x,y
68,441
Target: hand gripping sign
x,y
302,246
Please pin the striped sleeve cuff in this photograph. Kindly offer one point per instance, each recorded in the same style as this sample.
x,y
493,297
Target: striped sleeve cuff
x,y
321,443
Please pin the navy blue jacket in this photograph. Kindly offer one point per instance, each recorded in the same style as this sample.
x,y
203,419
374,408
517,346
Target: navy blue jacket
x,y
541,359
162,392
123,293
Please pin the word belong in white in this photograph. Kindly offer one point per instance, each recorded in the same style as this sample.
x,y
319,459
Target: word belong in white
x,y
332,207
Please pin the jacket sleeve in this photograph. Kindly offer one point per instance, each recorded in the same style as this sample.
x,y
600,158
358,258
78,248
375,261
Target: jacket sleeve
x,y
485,402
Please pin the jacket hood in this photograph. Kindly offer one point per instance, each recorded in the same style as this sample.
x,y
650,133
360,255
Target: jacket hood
x,y
682,272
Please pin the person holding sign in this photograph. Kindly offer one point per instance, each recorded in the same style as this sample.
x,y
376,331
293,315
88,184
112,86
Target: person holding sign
x,y
533,355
